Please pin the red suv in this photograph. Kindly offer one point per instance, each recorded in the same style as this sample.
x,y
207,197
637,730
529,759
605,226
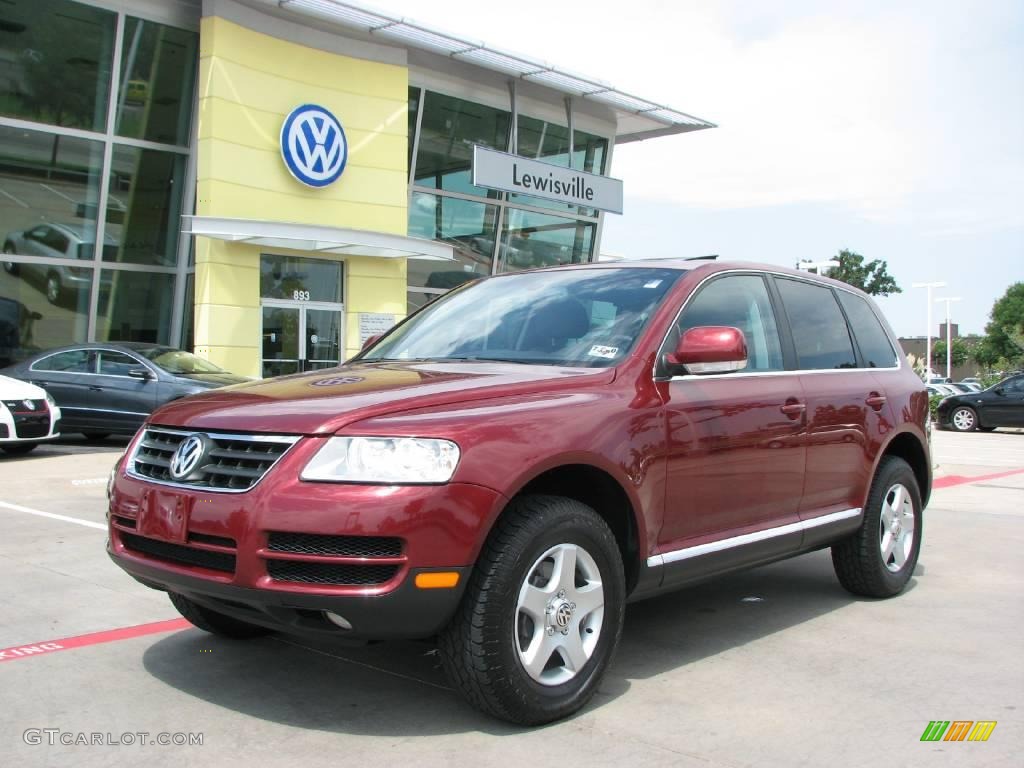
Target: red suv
x,y
509,466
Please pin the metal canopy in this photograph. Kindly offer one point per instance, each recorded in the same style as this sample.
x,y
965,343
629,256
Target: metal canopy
x,y
638,118
308,237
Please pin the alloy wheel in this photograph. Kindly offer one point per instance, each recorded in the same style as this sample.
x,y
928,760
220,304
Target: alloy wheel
x,y
896,527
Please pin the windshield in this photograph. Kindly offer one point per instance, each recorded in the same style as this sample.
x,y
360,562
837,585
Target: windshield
x,y
587,318
178,361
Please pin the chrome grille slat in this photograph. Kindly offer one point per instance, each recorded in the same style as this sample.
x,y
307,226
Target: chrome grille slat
x,y
234,463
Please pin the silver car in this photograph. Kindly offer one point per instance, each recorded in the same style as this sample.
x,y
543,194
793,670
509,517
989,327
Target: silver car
x,y
56,241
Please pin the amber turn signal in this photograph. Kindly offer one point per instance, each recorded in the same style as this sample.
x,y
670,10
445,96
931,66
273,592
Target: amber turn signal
x,y
437,580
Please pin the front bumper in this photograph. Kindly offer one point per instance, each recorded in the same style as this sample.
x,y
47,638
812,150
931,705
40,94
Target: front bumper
x,y
29,426
219,549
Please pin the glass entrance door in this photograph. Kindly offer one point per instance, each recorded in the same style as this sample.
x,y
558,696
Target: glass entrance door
x,y
300,336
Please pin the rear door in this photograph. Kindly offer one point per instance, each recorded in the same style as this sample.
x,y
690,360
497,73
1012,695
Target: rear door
x,y
847,409
735,441
67,376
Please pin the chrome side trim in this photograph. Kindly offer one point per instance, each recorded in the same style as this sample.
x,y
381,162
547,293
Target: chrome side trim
x,y
749,538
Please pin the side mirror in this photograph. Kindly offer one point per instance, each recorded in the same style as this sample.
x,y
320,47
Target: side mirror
x,y
999,391
140,373
371,341
710,349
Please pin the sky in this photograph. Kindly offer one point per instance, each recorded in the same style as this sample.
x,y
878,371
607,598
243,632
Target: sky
x,y
892,129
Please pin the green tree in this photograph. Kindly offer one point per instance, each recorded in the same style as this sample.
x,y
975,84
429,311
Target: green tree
x,y
872,277
1005,330
958,357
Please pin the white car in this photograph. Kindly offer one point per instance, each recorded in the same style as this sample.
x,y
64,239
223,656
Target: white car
x,y
28,416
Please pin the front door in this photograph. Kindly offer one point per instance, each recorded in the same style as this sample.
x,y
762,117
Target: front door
x,y
300,336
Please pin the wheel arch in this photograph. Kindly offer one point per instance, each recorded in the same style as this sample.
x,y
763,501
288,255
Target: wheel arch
x,y
600,490
909,447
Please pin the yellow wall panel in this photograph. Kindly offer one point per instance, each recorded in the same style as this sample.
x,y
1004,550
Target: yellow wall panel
x,y
281,58
228,284
262,130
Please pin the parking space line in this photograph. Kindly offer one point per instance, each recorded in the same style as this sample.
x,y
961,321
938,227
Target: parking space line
x,y
951,480
93,638
52,516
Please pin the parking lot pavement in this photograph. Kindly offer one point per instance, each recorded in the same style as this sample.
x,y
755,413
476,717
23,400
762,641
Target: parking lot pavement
x,y
777,666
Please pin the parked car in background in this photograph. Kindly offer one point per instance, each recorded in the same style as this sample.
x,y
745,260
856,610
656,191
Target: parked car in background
x,y
59,241
942,389
957,387
1001,405
28,416
110,388
597,434
971,386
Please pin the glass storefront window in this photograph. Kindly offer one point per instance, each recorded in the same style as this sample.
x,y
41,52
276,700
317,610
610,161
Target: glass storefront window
x,y
469,227
414,107
588,152
41,306
154,101
297,279
55,62
134,306
188,315
415,300
50,191
449,129
144,206
530,240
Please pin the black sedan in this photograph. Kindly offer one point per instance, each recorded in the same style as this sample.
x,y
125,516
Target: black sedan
x,y
111,388
1001,405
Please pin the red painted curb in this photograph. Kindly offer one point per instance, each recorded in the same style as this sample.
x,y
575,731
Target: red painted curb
x,y
93,638
951,480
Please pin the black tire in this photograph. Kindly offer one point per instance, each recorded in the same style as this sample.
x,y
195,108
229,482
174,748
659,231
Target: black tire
x,y
92,436
19,449
969,419
479,648
858,559
213,622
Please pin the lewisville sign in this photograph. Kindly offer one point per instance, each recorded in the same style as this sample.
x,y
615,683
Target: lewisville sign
x,y
511,173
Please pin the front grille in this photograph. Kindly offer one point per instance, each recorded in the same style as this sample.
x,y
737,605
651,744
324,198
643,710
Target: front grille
x,y
327,573
179,554
339,546
22,406
230,462
32,426
124,522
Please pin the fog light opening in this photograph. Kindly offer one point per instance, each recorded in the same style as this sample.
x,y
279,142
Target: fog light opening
x,y
339,621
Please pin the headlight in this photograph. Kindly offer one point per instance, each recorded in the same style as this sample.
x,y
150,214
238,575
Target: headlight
x,y
49,399
395,460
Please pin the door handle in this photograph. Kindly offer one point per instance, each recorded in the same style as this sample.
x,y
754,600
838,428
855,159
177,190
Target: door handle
x,y
876,400
793,409
94,388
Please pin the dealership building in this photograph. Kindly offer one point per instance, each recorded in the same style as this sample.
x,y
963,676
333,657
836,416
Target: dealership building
x,y
273,181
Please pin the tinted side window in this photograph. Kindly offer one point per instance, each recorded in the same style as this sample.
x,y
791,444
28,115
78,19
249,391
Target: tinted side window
x,y
740,301
1015,386
819,329
73,361
116,363
871,337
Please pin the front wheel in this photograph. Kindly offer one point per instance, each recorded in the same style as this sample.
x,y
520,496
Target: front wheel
x,y
542,614
879,559
963,419
213,622
53,288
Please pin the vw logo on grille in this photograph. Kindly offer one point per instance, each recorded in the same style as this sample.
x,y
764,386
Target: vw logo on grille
x,y
187,456
29,404
313,145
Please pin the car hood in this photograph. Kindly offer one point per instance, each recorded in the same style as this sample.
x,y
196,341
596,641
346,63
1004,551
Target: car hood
x,y
15,389
210,380
323,402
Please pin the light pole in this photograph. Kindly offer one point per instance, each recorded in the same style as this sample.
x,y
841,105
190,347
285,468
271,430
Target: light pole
x,y
928,336
949,333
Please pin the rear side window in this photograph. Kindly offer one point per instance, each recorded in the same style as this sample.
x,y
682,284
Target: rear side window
x,y
740,301
819,329
73,361
872,339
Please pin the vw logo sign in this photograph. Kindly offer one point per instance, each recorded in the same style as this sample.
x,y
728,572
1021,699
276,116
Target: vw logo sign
x,y
187,456
313,145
